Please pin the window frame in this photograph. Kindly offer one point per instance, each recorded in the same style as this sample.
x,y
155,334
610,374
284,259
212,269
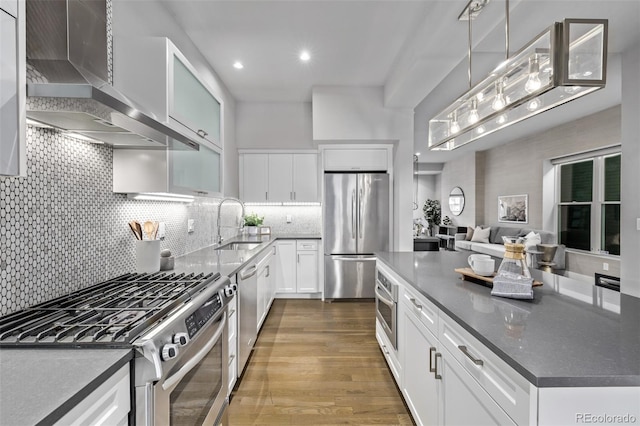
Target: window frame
x,y
597,199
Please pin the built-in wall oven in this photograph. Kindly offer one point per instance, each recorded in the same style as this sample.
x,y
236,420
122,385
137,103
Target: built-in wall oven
x,y
176,323
387,306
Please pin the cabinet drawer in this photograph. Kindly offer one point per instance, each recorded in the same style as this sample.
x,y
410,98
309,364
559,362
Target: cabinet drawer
x,y
423,309
508,388
389,353
307,245
356,159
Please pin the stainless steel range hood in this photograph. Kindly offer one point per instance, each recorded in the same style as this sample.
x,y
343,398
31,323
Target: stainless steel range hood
x,y
67,78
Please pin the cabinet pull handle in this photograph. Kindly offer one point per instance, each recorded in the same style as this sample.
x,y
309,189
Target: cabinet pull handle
x,y
202,133
298,258
268,272
465,351
266,195
231,358
291,195
294,195
435,368
431,351
416,304
384,349
233,311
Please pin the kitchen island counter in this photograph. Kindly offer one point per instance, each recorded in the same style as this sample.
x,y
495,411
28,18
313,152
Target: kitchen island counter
x,y
39,386
572,334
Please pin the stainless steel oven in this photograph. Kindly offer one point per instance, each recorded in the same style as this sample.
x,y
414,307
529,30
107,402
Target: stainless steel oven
x,y
387,306
176,323
191,387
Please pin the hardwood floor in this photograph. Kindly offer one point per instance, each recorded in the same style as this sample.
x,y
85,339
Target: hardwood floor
x,y
318,363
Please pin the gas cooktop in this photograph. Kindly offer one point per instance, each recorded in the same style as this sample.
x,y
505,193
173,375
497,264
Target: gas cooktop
x,y
113,313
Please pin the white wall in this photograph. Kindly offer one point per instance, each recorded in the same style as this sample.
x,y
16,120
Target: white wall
x,y
462,172
358,114
158,22
630,213
428,187
274,125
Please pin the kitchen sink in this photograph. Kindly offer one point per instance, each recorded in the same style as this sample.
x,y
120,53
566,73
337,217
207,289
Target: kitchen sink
x,y
239,246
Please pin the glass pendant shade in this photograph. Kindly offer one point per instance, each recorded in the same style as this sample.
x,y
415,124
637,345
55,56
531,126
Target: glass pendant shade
x,y
566,61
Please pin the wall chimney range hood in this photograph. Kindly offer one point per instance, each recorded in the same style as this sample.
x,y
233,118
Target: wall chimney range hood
x,y
68,68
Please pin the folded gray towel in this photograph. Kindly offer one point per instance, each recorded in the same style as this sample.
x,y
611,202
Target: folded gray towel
x,y
512,286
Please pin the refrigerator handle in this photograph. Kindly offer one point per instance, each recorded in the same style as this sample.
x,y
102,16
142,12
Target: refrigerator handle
x,y
353,214
360,213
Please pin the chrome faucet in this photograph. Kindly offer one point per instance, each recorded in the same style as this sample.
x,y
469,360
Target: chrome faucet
x,y
219,236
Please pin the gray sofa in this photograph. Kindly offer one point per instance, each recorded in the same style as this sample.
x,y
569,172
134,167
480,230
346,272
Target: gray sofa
x,y
495,246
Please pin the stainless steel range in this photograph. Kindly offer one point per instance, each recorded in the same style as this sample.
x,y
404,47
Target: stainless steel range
x,y
175,322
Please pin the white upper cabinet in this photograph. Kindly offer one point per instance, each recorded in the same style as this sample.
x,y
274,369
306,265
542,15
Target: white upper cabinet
x,y
279,177
12,88
188,172
166,85
192,105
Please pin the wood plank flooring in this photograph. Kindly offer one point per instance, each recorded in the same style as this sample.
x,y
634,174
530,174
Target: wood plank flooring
x,y
318,363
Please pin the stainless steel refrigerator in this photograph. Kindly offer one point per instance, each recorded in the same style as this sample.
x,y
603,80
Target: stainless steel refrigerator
x,y
356,224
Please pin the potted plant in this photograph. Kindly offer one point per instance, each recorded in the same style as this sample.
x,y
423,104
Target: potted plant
x,y
432,212
252,221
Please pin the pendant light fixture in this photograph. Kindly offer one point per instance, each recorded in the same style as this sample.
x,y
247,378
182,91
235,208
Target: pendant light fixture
x,y
566,61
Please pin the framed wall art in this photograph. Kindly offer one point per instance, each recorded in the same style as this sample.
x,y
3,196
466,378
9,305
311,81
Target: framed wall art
x,y
513,208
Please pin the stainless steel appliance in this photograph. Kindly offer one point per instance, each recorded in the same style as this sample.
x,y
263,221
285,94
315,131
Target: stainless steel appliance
x,y
356,223
387,306
248,313
176,323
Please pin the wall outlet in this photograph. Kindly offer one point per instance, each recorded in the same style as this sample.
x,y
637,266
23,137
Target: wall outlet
x,y
190,226
289,218
605,266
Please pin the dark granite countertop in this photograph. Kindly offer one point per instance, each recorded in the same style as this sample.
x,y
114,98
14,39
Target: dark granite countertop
x,y
571,334
39,386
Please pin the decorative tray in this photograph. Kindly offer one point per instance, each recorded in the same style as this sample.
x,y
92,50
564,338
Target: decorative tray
x,y
469,275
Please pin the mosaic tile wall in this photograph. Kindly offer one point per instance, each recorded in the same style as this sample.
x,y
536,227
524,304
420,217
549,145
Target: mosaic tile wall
x,y
62,228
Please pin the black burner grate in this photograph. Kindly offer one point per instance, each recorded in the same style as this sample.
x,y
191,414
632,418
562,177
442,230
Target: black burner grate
x,y
111,313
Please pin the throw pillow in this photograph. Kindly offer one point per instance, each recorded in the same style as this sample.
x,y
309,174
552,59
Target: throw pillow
x,y
531,240
469,233
481,235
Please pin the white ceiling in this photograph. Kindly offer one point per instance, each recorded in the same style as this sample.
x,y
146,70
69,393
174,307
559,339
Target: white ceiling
x,y
410,47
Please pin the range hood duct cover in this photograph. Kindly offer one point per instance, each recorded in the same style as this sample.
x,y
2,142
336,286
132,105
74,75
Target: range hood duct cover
x,y
68,73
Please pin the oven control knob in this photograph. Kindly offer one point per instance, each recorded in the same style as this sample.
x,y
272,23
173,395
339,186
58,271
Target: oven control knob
x,y
181,339
230,290
169,351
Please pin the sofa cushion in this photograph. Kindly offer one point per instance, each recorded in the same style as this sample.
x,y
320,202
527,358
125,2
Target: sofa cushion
x,y
469,233
496,250
503,231
481,235
531,240
463,244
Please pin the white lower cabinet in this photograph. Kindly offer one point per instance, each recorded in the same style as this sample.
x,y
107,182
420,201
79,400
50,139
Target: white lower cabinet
x,y
419,385
297,269
265,287
440,383
108,405
390,354
463,400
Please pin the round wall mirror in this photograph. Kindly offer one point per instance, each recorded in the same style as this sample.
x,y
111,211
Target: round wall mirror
x,y
456,201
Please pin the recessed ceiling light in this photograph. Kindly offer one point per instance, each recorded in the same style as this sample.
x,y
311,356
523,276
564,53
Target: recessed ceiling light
x,y
238,65
305,56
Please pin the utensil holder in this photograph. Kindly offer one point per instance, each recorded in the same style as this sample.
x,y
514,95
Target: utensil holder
x,y
147,255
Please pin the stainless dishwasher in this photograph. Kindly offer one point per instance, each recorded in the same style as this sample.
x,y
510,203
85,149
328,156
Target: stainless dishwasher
x,y
248,312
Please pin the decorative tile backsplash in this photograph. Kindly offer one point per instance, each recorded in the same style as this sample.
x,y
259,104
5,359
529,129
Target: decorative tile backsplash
x,y
62,228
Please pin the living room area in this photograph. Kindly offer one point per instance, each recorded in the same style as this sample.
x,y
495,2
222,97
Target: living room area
x,y
560,187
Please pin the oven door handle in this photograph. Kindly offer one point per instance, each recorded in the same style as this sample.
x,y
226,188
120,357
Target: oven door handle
x,y
383,299
171,381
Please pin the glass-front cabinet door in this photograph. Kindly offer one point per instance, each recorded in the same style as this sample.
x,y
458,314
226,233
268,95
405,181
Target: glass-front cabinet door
x,y
191,104
195,172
